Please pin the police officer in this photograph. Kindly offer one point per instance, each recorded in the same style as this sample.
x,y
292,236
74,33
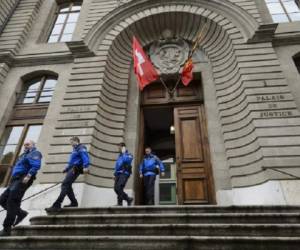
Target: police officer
x,y
78,164
23,175
149,168
122,173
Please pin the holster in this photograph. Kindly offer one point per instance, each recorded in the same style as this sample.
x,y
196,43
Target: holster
x,y
127,168
78,169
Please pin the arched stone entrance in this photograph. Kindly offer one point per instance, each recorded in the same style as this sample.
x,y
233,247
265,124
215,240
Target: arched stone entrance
x,y
147,23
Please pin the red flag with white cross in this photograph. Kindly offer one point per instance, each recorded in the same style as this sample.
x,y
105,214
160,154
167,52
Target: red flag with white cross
x,y
143,68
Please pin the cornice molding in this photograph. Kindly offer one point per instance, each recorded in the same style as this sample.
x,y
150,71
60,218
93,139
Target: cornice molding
x,y
286,39
267,33
77,49
7,57
264,33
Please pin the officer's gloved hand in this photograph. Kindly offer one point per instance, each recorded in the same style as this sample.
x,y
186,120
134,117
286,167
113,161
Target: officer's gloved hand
x,y
26,179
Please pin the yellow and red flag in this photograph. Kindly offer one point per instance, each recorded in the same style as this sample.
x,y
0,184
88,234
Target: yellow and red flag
x,y
187,72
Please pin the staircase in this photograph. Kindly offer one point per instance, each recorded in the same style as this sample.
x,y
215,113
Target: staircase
x,y
163,228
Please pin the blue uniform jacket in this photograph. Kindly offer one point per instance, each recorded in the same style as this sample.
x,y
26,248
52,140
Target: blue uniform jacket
x,y
148,165
28,163
79,157
123,159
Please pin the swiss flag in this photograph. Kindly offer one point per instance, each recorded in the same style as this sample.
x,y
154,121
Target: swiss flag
x,y
187,72
143,68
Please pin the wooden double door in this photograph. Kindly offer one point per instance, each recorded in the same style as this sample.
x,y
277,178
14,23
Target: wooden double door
x,y
193,166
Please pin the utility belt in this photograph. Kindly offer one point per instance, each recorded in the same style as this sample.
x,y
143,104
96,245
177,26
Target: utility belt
x,y
18,177
155,171
21,176
127,168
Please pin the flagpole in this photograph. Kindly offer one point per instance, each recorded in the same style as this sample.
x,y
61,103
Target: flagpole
x,y
165,85
198,40
173,90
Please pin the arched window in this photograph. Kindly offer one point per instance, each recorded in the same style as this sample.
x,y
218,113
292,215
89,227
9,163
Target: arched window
x,y
65,22
38,90
297,61
25,122
284,10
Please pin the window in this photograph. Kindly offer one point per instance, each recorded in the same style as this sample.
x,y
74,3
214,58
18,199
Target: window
x,y
39,90
25,122
297,61
11,146
284,10
167,184
65,23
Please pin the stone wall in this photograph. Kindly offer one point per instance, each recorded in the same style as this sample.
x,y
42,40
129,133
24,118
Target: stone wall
x,y
15,33
6,9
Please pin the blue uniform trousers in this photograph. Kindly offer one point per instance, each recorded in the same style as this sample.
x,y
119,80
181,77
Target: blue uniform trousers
x,y
120,182
66,188
11,198
149,182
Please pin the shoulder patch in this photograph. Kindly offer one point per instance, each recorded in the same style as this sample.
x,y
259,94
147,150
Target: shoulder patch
x,y
36,155
83,149
156,158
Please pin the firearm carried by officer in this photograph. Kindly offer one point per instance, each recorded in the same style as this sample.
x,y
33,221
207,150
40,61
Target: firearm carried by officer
x,y
149,168
122,172
23,175
78,164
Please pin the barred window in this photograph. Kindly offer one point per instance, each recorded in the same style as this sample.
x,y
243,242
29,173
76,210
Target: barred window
x,y
65,22
284,10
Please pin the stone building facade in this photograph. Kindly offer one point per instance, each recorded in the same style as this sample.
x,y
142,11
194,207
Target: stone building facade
x,y
249,78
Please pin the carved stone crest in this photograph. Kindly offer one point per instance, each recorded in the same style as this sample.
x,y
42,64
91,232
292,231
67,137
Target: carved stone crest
x,y
169,54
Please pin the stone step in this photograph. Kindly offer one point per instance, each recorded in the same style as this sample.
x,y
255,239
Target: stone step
x,y
149,243
180,209
177,218
281,230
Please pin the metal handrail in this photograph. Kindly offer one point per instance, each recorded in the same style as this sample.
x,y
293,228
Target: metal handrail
x,y
33,195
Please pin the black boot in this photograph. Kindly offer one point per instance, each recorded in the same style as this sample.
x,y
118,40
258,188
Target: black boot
x,y
129,201
53,209
120,203
5,232
20,217
72,205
